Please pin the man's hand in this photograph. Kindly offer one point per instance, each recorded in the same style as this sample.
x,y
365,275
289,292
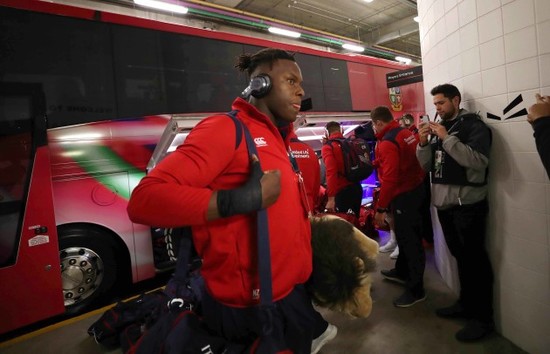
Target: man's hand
x,y
380,219
271,187
438,130
540,109
331,205
423,133
260,191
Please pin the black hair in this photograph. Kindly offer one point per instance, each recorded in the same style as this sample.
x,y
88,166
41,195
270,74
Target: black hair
x,y
381,113
332,127
447,90
249,62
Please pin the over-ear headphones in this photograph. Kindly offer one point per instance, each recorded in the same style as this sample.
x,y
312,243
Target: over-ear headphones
x,y
258,87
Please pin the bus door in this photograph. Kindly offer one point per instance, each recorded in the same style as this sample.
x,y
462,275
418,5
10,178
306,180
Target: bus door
x,y
30,278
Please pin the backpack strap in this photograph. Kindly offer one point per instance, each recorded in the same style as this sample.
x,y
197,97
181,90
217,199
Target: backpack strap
x,y
264,258
267,308
238,128
392,134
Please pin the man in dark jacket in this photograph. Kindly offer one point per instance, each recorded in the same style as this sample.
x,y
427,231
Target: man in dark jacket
x,y
539,117
458,157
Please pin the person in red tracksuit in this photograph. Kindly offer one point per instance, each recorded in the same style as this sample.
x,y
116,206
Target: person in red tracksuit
x,y
216,188
407,121
343,195
310,169
401,194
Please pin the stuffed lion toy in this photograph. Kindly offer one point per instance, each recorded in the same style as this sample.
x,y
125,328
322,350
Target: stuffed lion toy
x,y
343,257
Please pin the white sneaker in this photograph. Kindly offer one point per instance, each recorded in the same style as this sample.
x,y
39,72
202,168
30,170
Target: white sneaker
x,y
395,253
324,338
388,247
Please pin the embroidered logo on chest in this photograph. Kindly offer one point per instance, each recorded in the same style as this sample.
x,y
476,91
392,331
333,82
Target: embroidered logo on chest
x,y
260,141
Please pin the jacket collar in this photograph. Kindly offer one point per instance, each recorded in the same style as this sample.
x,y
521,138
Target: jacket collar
x,y
391,125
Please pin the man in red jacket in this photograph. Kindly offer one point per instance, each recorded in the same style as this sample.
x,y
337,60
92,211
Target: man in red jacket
x,y
343,195
217,188
308,163
401,194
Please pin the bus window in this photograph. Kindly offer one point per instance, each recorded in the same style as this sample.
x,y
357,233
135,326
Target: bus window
x,y
15,159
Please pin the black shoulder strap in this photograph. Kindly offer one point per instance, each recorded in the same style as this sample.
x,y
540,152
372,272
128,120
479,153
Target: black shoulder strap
x,y
264,258
390,135
238,127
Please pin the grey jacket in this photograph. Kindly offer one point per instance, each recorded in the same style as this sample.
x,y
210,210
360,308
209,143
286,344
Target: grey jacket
x,y
445,196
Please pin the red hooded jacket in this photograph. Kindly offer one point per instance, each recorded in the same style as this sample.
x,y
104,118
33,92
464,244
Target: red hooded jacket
x,y
334,163
309,166
398,169
177,192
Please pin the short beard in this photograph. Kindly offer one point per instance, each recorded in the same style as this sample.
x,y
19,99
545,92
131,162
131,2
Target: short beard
x,y
449,115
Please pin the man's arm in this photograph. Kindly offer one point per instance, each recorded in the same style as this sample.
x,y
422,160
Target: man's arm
x,y
471,153
539,117
331,172
423,149
176,192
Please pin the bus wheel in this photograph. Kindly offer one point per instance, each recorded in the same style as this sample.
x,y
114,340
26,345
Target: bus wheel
x,y
88,266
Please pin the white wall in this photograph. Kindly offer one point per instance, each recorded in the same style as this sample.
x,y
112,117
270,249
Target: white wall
x,y
493,51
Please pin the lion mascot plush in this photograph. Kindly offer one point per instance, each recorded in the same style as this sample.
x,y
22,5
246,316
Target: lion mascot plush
x,y
343,257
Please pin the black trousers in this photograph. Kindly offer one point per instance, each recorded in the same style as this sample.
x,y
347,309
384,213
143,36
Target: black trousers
x,y
295,322
464,229
410,264
349,197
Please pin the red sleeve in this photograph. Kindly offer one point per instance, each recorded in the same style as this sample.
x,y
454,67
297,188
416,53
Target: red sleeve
x,y
176,192
332,160
389,169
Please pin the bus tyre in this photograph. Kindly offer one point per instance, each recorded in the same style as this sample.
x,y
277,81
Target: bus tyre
x,y
88,266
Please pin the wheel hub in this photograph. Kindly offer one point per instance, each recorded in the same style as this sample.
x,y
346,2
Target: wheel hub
x,y
81,273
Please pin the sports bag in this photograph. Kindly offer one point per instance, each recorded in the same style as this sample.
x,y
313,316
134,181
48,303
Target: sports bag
x,y
356,154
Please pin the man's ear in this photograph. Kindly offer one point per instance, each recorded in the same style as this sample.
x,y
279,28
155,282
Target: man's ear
x,y
456,101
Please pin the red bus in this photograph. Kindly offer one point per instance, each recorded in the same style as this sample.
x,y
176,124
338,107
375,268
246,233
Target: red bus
x,y
85,96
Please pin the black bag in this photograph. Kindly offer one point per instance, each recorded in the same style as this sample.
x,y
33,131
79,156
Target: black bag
x,y
356,154
144,309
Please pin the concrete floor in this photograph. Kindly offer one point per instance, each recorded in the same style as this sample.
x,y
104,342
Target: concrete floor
x,y
388,330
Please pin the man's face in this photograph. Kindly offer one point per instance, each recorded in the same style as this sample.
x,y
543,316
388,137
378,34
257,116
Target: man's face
x,y
446,108
282,104
378,126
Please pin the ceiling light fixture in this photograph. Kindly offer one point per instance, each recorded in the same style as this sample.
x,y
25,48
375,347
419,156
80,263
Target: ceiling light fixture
x,y
284,32
161,5
403,60
368,0
353,47
416,19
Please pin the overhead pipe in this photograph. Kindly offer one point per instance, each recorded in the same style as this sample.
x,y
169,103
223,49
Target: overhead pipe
x,y
220,12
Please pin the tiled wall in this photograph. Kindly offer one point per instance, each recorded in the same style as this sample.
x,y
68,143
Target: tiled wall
x,y
494,51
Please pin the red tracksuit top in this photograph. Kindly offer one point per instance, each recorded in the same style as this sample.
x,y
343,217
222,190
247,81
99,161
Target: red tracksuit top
x,y
309,166
177,191
398,169
334,163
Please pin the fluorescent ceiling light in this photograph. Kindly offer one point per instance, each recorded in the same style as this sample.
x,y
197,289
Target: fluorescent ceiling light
x,y
161,5
416,19
368,0
284,32
403,60
353,47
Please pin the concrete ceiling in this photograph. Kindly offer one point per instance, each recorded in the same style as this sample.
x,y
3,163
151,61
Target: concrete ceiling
x,y
380,23
385,27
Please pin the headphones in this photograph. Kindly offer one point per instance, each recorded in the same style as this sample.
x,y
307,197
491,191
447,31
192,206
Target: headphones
x,y
258,87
